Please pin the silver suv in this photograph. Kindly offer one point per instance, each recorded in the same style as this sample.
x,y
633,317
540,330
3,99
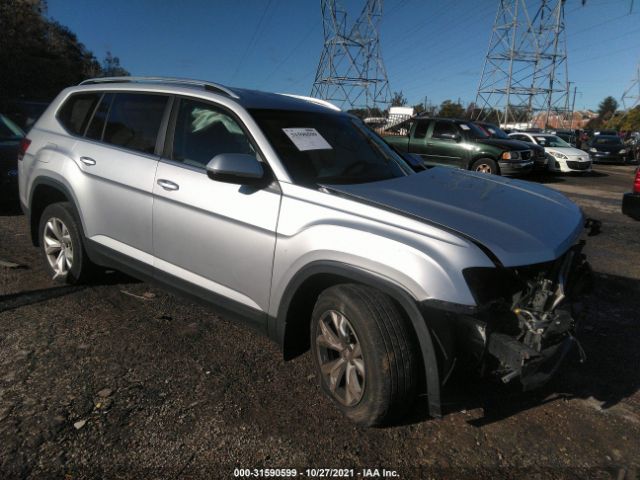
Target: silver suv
x,y
296,218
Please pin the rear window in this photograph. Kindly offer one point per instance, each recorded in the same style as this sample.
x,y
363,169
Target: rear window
x,y
76,111
134,120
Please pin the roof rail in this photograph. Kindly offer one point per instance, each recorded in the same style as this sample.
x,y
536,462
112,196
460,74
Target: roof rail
x,y
210,86
317,101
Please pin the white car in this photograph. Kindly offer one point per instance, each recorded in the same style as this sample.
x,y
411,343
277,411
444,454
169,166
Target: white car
x,y
562,156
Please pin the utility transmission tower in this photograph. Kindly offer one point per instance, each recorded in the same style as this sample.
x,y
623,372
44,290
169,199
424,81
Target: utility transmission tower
x,y
631,96
351,72
525,71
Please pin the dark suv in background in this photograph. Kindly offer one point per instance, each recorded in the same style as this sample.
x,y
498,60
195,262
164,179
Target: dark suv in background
x,y
540,159
609,149
462,144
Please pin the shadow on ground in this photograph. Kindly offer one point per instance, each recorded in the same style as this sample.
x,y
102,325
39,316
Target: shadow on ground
x,y
30,297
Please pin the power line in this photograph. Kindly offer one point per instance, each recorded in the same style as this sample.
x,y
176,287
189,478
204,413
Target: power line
x,y
252,40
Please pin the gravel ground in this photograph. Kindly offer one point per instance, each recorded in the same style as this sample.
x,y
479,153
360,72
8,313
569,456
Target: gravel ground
x,y
122,380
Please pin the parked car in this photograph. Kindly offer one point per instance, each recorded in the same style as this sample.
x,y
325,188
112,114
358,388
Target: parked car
x,y
10,137
25,113
461,144
608,149
540,160
563,157
631,200
296,218
568,136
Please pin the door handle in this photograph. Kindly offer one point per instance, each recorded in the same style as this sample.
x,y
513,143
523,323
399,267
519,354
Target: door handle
x,y
88,161
168,185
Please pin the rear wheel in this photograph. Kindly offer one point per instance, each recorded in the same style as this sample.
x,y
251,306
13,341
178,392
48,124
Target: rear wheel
x,y
485,165
364,352
62,246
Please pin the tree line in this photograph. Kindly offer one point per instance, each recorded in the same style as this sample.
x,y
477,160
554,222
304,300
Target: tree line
x,y
39,56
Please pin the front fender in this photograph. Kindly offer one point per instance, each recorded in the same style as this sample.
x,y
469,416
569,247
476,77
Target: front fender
x,y
278,325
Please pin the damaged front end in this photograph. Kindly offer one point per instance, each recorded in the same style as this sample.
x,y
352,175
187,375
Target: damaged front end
x,y
527,317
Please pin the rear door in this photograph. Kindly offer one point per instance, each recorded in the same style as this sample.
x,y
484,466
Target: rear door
x,y
443,144
116,159
213,239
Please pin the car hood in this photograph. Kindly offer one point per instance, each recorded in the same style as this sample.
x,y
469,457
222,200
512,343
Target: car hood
x,y
504,143
521,223
569,151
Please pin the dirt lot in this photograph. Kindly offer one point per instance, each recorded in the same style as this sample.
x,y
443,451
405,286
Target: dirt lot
x,y
121,380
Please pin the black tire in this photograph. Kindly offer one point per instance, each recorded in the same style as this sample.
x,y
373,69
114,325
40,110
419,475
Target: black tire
x,y
485,165
81,267
389,354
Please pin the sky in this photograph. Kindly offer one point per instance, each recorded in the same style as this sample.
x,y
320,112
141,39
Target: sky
x,y
430,48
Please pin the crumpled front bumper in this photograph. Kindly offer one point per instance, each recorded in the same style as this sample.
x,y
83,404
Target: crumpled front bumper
x,y
515,167
495,341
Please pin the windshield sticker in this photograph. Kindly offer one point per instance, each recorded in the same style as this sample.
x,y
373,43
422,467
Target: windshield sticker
x,y
307,139
464,127
541,139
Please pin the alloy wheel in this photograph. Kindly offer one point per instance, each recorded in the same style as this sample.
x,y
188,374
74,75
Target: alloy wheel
x,y
58,247
484,168
340,357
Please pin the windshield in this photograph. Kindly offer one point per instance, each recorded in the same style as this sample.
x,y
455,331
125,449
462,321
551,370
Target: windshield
x,y
606,140
327,148
9,130
494,131
551,141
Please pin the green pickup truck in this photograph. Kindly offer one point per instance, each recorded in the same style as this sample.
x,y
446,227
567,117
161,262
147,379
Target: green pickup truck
x,y
462,144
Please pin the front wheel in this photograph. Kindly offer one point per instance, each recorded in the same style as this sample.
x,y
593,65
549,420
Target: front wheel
x,y
365,353
485,165
62,246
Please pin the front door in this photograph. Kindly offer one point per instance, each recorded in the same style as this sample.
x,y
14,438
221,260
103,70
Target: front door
x,y
443,144
215,238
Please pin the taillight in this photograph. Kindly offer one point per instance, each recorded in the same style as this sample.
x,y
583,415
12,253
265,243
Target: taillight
x,y
636,182
24,146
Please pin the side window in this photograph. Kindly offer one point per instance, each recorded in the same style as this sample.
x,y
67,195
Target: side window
x,y
203,131
76,111
99,120
444,130
421,129
134,121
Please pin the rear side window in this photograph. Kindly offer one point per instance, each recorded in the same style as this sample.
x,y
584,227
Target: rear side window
x,y
99,120
421,129
134,120
76,111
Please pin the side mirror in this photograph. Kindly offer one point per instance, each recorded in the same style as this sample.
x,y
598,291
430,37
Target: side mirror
x,y
238,168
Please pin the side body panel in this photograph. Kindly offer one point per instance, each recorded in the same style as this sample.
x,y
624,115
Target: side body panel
x,y
424,261
116,196
217,235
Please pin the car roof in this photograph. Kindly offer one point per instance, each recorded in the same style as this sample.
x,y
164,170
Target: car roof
x,y
249,99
